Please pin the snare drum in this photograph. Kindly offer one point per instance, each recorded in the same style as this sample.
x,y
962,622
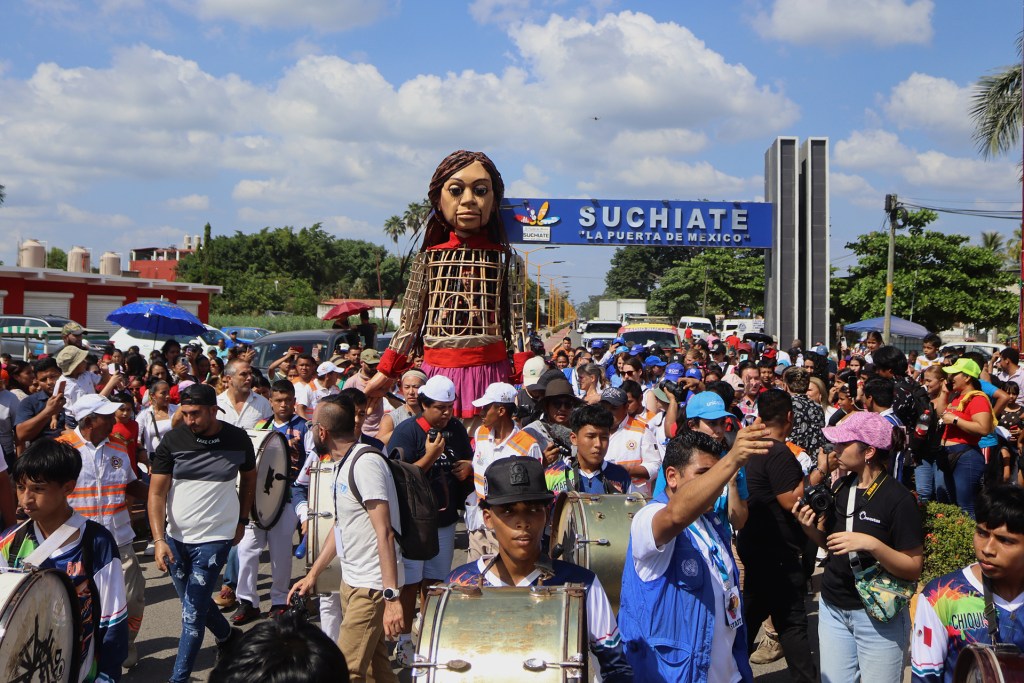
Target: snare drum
x,y
532,634
272,482
40,627
592,531
989,664
321,525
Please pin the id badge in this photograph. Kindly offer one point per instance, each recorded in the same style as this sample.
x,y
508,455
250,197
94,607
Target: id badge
x,y
733,610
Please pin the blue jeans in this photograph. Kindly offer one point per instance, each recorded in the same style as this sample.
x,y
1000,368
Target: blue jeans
x,y
930,482
965,480
856,648
194,573
231,568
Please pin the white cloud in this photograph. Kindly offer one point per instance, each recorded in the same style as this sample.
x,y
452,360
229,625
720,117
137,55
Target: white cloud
x,y
499,11
73,214
321,15
872,149
663,178
532,184
192,202
934,104
855,188
938,170
884,23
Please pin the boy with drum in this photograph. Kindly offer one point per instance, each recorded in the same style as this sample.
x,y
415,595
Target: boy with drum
x,y
515,506
57,537
981,602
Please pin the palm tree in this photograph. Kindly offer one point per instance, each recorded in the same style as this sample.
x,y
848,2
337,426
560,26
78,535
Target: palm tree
x,y
394,228
997,109
993,241
1013,248
3,195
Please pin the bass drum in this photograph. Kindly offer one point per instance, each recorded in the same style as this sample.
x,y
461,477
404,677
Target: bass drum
x,y
533,634
272,482
987,664
321,525
40,627
592,531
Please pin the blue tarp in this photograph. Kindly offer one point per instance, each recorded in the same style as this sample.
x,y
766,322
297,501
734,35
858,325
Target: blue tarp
x,y
903,328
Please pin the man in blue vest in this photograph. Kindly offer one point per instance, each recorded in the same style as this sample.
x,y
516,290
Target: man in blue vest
x,y
681,612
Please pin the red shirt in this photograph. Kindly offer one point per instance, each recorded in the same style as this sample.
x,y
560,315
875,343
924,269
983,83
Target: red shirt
x,y
128,434
979,403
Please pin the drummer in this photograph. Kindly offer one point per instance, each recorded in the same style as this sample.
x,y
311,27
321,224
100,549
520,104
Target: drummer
x,y
45,475
279,536
957,603
515,508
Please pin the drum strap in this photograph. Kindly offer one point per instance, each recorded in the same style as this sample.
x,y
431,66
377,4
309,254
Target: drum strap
x,y
991,616
547,570
55,540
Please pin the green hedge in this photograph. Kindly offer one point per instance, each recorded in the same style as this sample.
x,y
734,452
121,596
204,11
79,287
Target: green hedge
x,y
948,540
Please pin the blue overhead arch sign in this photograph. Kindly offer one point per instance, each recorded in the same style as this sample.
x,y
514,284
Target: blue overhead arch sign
x,y
643,222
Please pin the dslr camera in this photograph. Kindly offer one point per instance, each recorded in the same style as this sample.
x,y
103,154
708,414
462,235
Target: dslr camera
x,y
673,388
818,497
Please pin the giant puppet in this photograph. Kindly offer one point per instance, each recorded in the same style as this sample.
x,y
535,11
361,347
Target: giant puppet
x,y
463,307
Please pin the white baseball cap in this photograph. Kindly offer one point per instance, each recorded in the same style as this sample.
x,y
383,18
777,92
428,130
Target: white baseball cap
x,y
498,392
94,404
326,367
439,388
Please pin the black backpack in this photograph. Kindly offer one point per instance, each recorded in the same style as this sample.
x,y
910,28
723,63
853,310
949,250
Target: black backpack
x,y
909,404
417,508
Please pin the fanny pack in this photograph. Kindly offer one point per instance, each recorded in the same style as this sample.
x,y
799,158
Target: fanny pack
x,y
882,594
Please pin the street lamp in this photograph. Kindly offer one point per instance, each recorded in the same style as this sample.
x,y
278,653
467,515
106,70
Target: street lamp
x,y
536,301
556,298
526,264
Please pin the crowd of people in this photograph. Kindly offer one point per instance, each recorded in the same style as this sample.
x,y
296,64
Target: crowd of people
x,y
760,465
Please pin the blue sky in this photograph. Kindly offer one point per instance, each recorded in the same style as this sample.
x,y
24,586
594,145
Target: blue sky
x,y
128,123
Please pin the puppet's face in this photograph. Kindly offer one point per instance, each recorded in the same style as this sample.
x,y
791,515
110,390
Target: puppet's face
x,y
467,199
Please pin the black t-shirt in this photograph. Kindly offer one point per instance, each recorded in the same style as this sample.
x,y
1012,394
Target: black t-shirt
x,y
450,493
771,533
891,516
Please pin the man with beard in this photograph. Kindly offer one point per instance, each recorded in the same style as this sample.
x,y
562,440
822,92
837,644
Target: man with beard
x,y
371,564
196,514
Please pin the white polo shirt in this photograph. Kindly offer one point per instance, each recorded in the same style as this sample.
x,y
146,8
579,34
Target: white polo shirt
x,y
254,409
633,444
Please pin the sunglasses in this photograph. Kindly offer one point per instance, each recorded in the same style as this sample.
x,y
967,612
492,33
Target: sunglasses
x,y
561,403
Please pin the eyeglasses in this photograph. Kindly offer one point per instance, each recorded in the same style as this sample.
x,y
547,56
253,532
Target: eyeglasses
x,y
311,423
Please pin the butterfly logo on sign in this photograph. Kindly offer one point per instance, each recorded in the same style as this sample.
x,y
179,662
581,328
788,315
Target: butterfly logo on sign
x,y
536,224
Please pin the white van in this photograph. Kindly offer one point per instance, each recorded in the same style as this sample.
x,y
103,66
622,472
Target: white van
x,y
740,326
701,327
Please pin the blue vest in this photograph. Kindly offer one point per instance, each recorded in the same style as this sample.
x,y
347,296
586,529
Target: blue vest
x,y
667,624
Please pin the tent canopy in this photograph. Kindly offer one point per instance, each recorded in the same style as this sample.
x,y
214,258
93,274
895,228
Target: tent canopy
x,y
903,328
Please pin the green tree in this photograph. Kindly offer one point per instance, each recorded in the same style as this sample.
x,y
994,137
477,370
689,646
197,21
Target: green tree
x,y
996,109
734,278
57,259
993,241
635,269
939,279
588,309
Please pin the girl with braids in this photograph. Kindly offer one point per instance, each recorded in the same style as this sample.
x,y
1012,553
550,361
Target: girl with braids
x,y
463,308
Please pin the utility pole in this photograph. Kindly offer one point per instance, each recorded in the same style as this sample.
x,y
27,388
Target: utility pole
x,y
704,301
891,208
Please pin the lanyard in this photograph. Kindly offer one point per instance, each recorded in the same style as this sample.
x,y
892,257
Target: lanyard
x,y
716,553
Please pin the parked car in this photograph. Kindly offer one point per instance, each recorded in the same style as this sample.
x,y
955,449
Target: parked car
x,y
600,329
665,337
246,335
321,344
961,348
702,327
48,340
125,338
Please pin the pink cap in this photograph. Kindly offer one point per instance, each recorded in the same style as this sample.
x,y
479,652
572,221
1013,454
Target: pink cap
x,y
869,428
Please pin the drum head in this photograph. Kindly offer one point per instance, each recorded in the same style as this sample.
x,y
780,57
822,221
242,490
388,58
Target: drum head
x,y
41,627
271,477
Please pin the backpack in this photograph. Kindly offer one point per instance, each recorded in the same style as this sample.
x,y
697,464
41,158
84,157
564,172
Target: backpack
x,y
909,403
417,508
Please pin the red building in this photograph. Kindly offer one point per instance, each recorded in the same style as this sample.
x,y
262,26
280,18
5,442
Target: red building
x,y
88,297
157,263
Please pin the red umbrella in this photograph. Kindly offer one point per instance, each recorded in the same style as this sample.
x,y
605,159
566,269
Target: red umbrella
x,y
345,309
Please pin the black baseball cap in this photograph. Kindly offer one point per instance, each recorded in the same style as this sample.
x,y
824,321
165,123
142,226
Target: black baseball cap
x,y
199,395
515,480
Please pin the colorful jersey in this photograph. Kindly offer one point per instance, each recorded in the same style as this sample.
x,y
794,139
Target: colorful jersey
x,y
99,570
605,641
950,616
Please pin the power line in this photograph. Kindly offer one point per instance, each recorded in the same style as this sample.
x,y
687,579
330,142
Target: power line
x,y
974,213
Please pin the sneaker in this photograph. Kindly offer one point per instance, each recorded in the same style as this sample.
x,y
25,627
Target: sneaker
x,y
768,651
229,642
150,550
277,610
226,599
133,657
244,614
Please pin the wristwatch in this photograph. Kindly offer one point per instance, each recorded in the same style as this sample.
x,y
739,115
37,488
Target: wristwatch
x,y
390,594
244,521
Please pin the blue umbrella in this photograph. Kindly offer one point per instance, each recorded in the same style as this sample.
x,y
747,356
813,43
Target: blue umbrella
x,y
159,318
898,326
